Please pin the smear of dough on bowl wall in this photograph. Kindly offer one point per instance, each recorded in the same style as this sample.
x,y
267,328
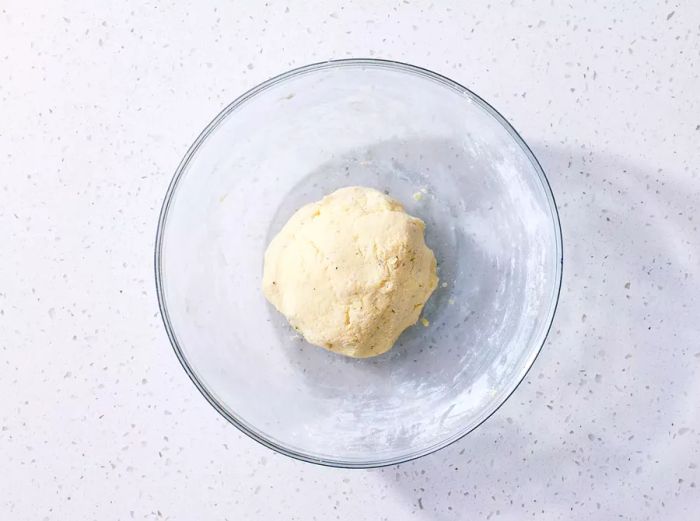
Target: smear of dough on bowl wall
x,y
350,272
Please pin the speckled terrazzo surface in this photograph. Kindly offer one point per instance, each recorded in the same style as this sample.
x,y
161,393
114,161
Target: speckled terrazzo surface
x,y
98,105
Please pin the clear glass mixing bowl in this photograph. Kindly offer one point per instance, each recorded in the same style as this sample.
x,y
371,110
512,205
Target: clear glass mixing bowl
x,y
453,161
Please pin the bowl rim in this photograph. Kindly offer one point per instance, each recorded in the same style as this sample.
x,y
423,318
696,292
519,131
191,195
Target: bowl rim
x,y
172,187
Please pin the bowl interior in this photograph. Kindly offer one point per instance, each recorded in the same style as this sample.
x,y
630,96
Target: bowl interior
x,y
452,161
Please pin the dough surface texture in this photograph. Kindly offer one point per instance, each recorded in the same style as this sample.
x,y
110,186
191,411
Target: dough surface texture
x,y
350,272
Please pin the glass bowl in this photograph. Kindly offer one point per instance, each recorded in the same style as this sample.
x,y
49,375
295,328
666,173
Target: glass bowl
x,y
453,161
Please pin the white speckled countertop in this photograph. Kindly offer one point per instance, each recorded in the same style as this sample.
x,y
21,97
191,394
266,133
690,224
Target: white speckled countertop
x,y
99,103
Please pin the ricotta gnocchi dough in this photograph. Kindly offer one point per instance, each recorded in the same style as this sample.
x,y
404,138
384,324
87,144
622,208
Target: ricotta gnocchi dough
x,y
350,272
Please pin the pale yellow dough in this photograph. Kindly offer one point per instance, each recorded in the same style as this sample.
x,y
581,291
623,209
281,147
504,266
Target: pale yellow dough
x,y
350,272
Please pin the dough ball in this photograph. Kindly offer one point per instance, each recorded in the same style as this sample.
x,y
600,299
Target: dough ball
x,y
350,272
